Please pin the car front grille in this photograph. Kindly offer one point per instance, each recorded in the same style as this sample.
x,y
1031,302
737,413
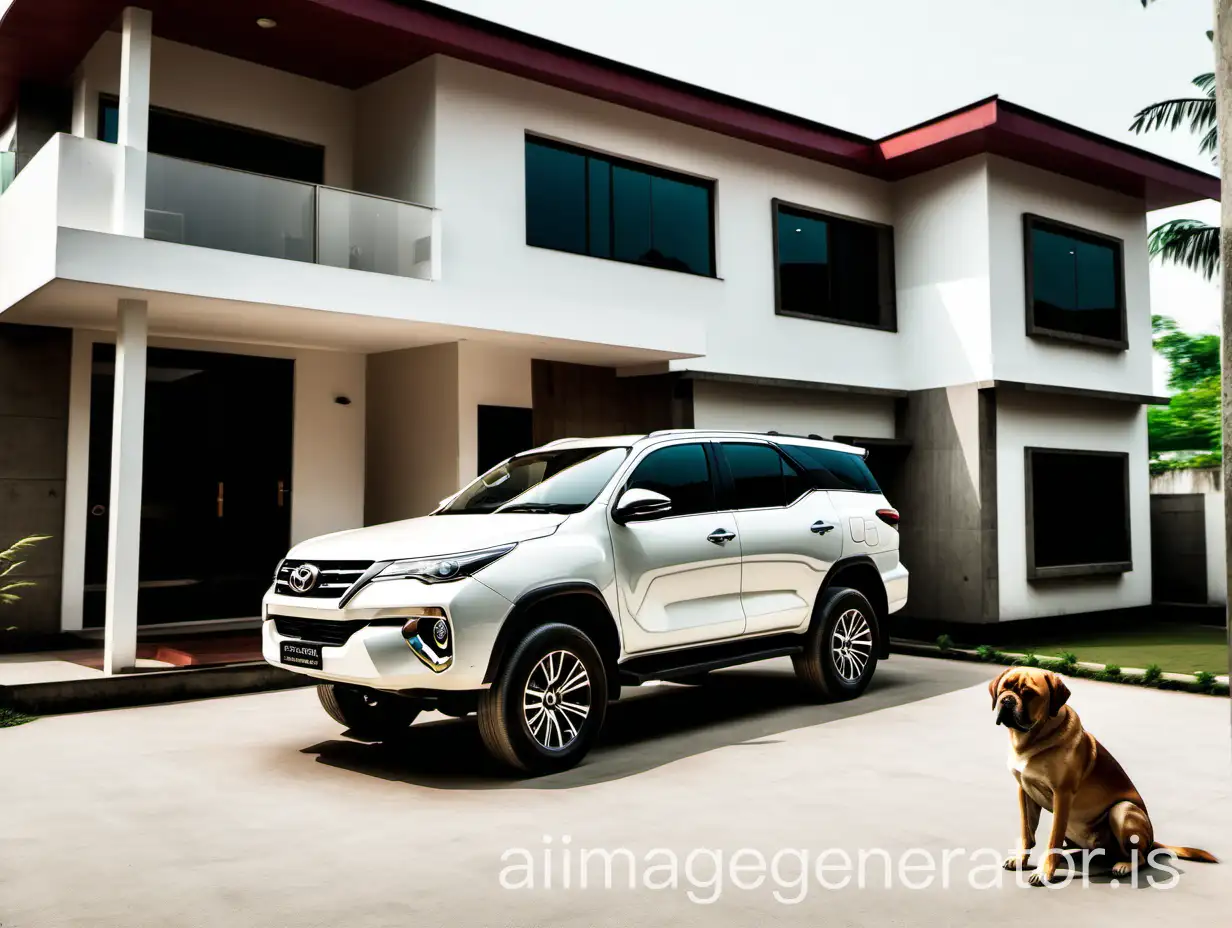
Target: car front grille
x,y
325,631
334,579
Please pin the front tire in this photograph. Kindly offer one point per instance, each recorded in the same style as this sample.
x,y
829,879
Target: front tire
x,y
840,650
367,713
545,708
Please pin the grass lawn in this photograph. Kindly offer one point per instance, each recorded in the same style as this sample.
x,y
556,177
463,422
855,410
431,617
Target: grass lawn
x,y
10,718
1174,647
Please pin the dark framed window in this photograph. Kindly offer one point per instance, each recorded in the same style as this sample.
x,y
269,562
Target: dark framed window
x,y
834,470
1077,513
679,472
1075,284
591,204
195,138
833,268
759,477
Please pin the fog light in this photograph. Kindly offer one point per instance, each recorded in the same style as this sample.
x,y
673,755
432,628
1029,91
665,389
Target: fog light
x,y
430,638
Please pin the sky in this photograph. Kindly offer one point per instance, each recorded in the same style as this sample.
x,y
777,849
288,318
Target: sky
x,y
876,66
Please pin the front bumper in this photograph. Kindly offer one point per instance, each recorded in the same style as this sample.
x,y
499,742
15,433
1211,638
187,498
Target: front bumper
x,y
377,656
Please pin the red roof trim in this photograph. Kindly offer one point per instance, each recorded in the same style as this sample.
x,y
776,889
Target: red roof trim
x,y
979,116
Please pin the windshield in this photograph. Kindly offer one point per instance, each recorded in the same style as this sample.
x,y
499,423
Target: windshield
x,y
562,481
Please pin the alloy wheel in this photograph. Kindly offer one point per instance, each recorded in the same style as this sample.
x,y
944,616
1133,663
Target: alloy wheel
x,y
851,644
557,699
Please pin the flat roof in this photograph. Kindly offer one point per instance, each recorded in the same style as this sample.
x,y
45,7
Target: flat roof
x,y
351,43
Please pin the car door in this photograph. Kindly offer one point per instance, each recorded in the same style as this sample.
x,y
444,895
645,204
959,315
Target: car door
x,y
789,534
678,575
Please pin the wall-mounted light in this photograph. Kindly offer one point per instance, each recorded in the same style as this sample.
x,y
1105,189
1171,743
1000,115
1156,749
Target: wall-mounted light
x,y
342,400
266,23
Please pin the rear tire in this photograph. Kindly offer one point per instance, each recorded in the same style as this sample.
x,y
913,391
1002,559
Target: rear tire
x,y
840,651
368,713
544,710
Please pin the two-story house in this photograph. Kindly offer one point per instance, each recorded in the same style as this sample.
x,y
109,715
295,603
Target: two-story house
x,y
263,278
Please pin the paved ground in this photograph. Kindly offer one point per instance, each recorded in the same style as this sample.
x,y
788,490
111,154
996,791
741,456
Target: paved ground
x,y
255,811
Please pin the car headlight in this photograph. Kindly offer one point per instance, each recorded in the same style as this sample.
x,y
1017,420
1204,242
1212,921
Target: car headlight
x,y
443,569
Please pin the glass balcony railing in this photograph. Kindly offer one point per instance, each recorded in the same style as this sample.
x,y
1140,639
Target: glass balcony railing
x,y
212,207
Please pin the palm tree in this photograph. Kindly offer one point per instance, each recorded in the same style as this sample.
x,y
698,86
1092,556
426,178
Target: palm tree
x,y
1188,242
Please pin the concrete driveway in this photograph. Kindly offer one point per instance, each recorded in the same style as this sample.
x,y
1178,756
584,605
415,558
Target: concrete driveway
x,y
256,811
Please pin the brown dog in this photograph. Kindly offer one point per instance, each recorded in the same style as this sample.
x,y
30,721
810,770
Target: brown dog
x,y
1062,768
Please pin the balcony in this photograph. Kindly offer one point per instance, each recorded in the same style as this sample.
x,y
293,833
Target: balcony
x,y
212,207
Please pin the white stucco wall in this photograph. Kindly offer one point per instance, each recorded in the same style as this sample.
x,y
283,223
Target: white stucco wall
x,y
203,83
1015,189
718,405
488,375
482,118
395,135
941,265
1062,422
412,437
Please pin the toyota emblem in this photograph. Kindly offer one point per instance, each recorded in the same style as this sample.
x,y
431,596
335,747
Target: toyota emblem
x,y
440,631
304,577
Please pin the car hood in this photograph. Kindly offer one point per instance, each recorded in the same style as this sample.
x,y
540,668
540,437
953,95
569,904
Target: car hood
x,y
429,536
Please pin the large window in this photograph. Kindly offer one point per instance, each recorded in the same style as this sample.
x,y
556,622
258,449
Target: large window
x,y
1075,284
592,204
1077,513
835,269
679,472
760,477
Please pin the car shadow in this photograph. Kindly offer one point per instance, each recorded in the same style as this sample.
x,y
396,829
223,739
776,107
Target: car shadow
x,y
648,727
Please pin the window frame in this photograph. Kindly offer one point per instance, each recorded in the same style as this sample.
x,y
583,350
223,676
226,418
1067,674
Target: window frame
x,y
713,464
727,483
1033,221
888,310
1098,568
709,184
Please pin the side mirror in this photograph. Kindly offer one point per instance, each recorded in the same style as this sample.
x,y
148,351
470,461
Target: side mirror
x,y
640,506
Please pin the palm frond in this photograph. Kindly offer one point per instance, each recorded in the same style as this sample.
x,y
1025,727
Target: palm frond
x,y
7,590
1188,242
13,565
1205,82
1210,142
1198,112
22,544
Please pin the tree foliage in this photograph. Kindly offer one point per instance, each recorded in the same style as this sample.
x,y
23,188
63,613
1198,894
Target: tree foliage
x,y
1191,422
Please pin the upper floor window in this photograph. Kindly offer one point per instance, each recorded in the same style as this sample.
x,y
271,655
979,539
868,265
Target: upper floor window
x,y
834,269
1075,284
592,204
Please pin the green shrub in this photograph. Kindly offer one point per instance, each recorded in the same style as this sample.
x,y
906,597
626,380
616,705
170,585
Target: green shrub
x,y
1206,680
1030,659
1112,670
987,653
945,643
1153,674
10,718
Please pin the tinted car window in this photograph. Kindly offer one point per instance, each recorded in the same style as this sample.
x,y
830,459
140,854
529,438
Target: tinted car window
x,y
834,470
760,476
679,472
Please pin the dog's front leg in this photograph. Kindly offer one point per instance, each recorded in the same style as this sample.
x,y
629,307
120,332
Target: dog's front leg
x,y
1028,822
1061,801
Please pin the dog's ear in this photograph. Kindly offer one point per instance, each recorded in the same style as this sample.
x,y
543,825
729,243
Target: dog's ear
x,y
1058,694
995,685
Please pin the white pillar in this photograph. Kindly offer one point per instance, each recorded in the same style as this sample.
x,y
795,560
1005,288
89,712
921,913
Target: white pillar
x,y
128,208
124,513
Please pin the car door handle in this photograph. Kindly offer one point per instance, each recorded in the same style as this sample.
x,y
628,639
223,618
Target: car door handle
x,y
720,536
820,528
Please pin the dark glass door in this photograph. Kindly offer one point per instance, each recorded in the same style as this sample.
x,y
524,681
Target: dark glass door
x,y
215,509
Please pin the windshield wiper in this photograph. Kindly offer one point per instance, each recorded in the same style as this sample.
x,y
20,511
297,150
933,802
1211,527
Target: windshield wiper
x,y
540,507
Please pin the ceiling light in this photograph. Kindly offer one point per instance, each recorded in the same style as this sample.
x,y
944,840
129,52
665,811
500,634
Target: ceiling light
x,y
266,23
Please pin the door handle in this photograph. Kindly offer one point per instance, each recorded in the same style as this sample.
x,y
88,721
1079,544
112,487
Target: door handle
x,y
820,528
720,536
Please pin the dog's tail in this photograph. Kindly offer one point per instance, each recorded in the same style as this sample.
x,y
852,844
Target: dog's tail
x,y
1188,853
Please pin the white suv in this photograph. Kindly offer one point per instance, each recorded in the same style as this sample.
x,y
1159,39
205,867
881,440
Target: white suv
x,y
534,594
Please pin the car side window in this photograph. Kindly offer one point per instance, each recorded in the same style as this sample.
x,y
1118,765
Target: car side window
x,y
679,472
761,477
831,469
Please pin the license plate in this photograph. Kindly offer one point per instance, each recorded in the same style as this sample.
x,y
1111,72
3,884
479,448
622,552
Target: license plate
x,y
299,654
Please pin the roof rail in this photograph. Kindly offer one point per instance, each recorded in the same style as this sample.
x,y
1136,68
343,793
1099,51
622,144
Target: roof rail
x,y
812,436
